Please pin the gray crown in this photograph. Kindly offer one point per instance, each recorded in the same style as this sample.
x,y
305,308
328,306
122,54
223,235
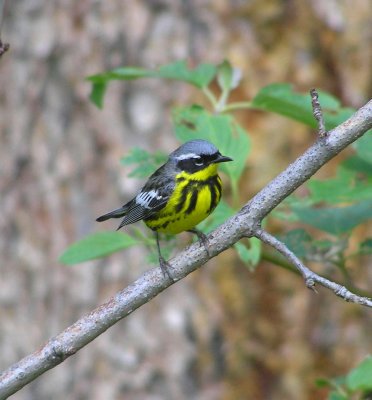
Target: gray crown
x,y
197,147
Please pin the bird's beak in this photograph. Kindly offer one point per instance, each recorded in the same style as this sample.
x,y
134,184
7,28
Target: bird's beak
x,y
222,158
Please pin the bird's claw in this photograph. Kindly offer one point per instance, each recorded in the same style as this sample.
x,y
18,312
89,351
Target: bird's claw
x,y
164,266
203,240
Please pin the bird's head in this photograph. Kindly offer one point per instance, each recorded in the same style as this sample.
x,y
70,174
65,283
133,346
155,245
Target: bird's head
x,y
197,155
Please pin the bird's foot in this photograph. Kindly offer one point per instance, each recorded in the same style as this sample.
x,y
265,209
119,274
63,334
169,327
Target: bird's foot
x,y
164,266
203,239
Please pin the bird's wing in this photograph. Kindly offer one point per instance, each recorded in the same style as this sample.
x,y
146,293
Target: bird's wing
x,y
145,204
151,199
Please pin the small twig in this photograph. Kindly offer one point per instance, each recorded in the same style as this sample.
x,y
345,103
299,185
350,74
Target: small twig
x,y
318,113
288,254
310,277
3,46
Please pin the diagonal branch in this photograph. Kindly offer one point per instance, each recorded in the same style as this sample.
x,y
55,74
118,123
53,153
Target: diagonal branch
x,y
245,223
311,277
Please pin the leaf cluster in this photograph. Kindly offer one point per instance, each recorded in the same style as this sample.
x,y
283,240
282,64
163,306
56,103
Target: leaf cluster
x,y
357,384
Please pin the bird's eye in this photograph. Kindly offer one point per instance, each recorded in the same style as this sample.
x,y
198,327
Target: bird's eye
x,y
198,163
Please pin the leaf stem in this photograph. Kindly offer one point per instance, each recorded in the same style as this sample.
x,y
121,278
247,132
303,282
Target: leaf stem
x,y
237,106
221,105
211,97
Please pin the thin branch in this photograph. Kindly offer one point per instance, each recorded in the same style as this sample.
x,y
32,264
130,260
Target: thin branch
x,y
318,113
245,223
310,277
3,46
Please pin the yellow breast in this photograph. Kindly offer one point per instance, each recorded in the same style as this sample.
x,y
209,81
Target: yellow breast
x,y
195,196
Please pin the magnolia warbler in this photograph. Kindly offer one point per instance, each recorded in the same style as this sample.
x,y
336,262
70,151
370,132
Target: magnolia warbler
x,y
177,196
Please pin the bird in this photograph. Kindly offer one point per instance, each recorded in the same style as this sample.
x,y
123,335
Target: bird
x,y
178,195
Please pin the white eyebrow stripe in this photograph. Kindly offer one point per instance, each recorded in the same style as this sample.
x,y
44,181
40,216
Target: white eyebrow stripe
x,y
145,198
187,156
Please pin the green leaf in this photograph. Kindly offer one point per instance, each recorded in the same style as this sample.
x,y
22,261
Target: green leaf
x,y
338,396
360,378
237,146
222,212
363,147
145,163
122,73
338,384
324,245
282,99
365,247
323,382
201,76
220,129
100,81
228,78
249,255
284,211
335,220
357,164
348,186
95,246
97,93
299,241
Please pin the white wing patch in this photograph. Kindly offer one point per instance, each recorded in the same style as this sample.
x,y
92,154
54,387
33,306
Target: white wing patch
x,y
187,156
144,199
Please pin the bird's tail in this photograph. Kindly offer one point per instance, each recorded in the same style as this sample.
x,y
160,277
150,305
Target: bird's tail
x,y
118,213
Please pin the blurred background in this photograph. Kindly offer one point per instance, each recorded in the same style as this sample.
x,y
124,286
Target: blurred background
x,y
223,332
